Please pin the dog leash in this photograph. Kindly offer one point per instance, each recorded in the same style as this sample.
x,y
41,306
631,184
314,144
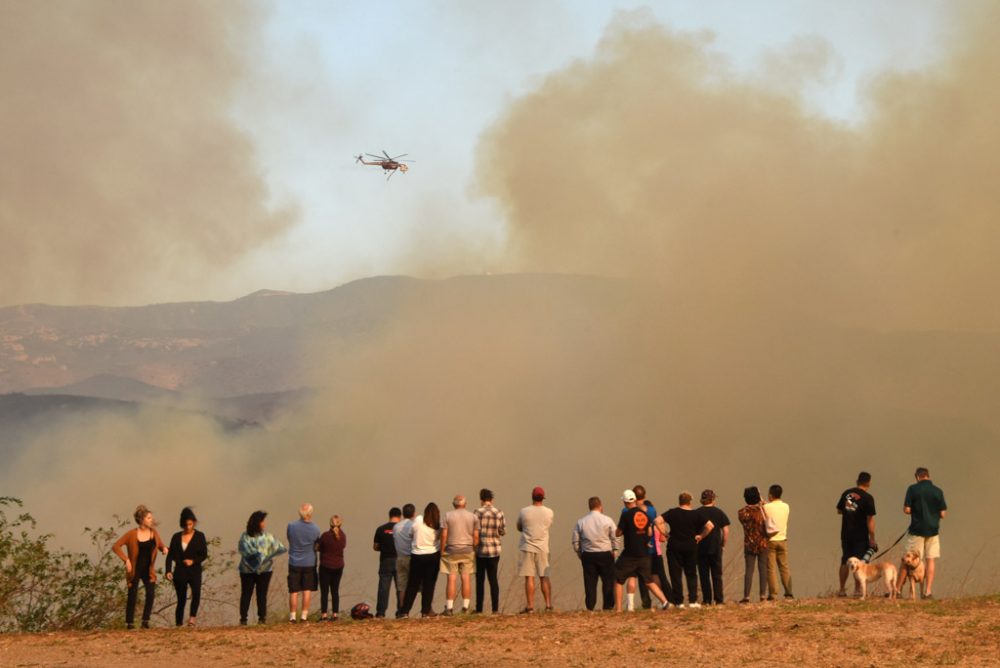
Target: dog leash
x,y
885,551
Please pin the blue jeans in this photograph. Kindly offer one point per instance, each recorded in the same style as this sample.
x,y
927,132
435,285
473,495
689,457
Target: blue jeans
x,y
386,579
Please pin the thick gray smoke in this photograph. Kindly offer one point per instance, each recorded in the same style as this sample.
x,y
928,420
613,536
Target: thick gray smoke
x,y
123,173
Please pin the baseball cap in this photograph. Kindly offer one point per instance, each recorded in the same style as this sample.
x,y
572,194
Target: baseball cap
x,y
538,493
628,496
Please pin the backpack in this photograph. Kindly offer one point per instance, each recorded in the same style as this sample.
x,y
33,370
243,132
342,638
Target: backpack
x,y
361,611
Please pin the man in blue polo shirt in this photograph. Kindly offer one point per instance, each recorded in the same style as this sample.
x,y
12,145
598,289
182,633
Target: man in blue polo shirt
x,y
925,505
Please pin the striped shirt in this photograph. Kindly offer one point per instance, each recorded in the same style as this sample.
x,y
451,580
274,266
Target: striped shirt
x,y
491,526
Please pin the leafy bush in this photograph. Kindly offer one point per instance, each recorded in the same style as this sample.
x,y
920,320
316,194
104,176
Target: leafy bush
x,y
43,588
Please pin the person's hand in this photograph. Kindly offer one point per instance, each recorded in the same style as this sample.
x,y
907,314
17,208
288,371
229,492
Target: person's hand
x,y
164,550
128,566
170,576
697,538
189,562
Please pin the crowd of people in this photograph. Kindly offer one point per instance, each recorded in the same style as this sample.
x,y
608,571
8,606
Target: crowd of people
x,y
622,557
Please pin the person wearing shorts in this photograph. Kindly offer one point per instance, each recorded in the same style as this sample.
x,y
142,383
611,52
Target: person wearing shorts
x,y
534,522
459,539
402,537
857,526
924,503
303,536
635,529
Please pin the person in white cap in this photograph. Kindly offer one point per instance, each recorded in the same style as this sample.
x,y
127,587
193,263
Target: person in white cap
x,y
635,529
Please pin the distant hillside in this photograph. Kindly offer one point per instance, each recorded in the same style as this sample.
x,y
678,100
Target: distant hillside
x,y
256,344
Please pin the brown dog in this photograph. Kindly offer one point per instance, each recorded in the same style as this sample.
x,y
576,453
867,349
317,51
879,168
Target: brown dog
x,y
865,573
911,568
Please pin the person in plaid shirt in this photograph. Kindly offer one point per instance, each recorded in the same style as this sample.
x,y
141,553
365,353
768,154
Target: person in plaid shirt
x,y
491,527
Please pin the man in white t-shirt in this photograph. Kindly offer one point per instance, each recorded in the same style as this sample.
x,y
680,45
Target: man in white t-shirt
x,y
534,522
776,511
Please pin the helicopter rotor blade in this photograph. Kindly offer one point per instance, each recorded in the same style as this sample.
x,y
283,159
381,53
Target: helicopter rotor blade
x,y
401,155
386,154
376,157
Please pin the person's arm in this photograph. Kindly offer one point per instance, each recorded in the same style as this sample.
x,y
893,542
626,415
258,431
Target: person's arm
x,y
121,553
173,554
704,532
200,553
375,544
444,538
277,548
159,542
502,529
475,537
725,535
520,526
661,526
576,538
908,503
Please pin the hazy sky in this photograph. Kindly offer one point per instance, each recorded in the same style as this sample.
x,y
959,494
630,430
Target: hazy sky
x,y
237,173
428,77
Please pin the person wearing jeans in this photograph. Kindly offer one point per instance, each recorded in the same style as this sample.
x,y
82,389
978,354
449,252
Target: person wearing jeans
x,y
492,526
386,548
776,511
684,529
138,548
331,568
257,550
754,542
188,549
425,561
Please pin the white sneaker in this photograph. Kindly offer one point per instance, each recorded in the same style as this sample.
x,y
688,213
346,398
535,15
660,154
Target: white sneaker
x,y
694,606
679,606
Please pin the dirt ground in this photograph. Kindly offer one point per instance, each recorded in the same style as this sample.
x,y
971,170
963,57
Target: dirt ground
x,y
809,632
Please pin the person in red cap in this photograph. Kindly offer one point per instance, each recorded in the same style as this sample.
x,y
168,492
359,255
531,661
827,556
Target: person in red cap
x,y
534,522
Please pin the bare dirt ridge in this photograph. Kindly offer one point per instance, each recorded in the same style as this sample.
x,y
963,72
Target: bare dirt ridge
x,y
816,632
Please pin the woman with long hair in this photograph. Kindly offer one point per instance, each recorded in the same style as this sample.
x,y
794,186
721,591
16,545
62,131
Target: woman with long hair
x,y
331,567
754,542
257,550
138,548
188,549
425,561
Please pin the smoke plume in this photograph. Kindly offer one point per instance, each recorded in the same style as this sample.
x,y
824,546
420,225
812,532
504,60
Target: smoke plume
x,y
123,174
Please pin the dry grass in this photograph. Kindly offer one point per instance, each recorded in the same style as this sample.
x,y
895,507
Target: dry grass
x,y
819,632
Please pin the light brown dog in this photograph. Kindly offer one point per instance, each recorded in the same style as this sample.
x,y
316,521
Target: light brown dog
x,y
865,573
911,567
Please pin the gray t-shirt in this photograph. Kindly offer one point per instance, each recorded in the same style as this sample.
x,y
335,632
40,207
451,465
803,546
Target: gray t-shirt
x,y
402,536
533,523
460,524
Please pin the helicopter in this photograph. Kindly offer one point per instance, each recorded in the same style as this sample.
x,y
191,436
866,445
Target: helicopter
x,y
386,162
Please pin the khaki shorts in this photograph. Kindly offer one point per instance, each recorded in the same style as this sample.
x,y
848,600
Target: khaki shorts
x,y
926,547
402,572
530,564
458,563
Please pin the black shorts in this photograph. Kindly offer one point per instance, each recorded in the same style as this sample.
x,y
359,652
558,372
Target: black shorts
x,y
301,578
852,548
627,567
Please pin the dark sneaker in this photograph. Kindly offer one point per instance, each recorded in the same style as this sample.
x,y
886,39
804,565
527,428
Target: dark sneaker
x,y
429,614
243,622
527,611
465,611
447,613
744,600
